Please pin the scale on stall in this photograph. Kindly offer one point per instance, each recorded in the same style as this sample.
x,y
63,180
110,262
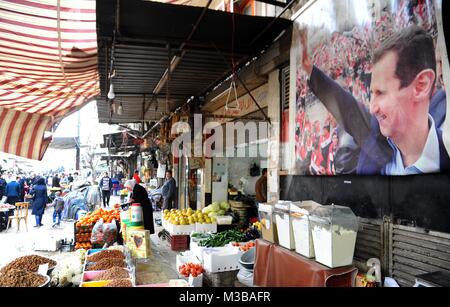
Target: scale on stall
x,y
436,279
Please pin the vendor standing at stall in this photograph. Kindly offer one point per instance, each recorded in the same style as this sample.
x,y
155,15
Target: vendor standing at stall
x,y
139,195
40,200
169,191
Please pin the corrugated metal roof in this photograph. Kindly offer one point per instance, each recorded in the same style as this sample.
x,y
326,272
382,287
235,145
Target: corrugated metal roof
x,y
141,55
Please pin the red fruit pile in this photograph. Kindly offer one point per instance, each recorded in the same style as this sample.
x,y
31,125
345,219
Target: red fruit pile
x,y
191,269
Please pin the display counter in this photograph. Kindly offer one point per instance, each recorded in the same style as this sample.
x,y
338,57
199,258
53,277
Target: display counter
x,y
276,266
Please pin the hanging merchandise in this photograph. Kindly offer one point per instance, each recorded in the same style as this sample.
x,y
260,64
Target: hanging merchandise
x,y
255,171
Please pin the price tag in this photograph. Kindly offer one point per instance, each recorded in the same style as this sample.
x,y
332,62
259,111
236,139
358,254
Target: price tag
x,y
43,269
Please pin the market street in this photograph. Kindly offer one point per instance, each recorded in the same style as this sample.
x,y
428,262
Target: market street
x,y
16,244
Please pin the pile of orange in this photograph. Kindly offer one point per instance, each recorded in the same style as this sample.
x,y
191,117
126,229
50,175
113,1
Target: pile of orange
x,y
85,245
92,217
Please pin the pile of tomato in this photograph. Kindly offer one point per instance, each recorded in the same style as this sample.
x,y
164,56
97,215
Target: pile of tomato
x,y
191,269
245,247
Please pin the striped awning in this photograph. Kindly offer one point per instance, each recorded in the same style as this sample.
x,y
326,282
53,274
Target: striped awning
x,y
48,69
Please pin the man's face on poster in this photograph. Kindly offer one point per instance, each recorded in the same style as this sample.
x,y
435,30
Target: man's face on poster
x,y
389,103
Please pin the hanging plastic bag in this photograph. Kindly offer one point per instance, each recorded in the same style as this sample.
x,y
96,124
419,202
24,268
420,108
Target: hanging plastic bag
x,y
110,233
97,236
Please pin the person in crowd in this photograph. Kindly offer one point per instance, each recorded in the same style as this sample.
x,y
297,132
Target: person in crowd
x,y
58,204
23,186
400,133
115,185
13,191
169,191
56,182
136,177
106,186
261,188
2,186
64,179
317,161
40,200
120,176
140,195
70,178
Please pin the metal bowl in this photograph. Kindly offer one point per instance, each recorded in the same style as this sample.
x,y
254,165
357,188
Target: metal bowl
x,y
247,260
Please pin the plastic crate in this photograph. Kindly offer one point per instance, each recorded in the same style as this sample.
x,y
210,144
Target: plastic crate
x,y
178,242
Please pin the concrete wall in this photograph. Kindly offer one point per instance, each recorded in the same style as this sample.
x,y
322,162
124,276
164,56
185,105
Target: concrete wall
x,y
274,114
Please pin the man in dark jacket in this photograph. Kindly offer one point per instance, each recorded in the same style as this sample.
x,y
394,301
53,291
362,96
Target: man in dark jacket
x,y
13,192
400,135
2,186
106,186
169,191
55,182
22,184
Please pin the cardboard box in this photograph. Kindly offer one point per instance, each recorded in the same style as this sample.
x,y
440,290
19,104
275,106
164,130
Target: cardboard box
x,y
139,243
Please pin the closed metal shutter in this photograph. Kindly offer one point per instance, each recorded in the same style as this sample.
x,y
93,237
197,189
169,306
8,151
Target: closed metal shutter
x,y
415,251
370,244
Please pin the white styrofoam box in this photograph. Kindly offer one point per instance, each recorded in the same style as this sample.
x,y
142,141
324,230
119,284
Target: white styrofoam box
x,y
222,259
284,229
176,230
224,220
197,250
186,257
43,243
204,228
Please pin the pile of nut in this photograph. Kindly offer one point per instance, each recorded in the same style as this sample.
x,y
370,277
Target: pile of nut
x,y
113,273
119,283
29,263
21,278
105,264
106,254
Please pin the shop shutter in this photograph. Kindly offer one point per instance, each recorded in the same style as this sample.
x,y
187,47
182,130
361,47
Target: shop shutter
x,y
370,244
416,251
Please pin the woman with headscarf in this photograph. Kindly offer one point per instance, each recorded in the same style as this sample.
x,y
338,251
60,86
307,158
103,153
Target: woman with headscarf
x,y
40,200
140,196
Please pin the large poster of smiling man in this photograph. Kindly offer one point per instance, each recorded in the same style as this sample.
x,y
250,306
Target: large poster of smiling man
x,y
368,81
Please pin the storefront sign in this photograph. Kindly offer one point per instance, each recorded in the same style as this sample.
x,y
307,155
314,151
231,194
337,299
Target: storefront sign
x,y
365,107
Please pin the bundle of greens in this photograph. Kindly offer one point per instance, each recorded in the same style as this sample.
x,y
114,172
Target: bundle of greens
x,y
223,238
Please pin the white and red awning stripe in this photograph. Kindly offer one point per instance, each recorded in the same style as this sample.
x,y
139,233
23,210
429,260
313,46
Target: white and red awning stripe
x,y
48,68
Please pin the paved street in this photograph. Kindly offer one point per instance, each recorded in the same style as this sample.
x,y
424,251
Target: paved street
x,y
158,269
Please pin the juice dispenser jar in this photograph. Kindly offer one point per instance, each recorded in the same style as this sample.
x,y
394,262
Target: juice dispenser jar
x,y
268,226
284,224
301,227
334,231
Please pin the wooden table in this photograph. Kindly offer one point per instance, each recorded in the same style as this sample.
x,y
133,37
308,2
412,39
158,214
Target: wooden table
x,y
276,266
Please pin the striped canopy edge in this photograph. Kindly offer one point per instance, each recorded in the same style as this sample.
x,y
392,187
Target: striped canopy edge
x,y
48,69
